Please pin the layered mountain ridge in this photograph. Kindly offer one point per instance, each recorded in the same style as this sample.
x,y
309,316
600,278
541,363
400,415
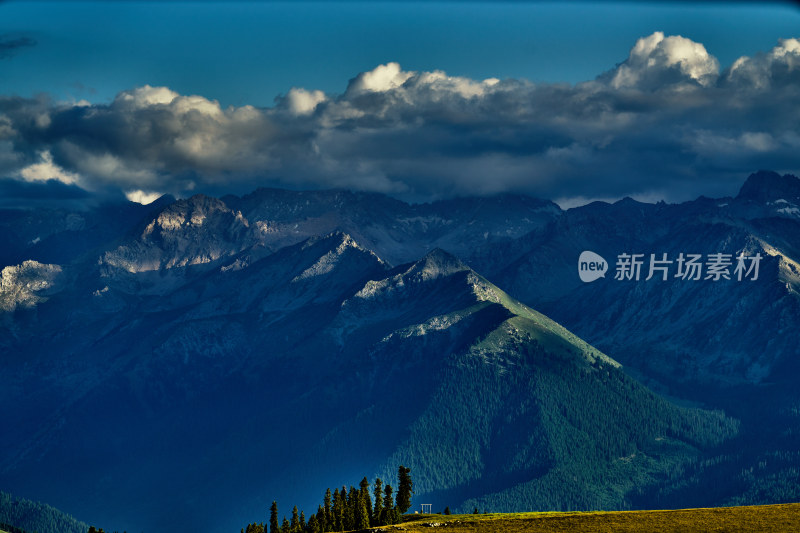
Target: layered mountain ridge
x,y
191,360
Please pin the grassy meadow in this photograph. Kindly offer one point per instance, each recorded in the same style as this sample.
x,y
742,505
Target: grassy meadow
x,y
751,519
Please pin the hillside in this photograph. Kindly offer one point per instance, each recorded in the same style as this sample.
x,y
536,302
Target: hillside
x,y
694,334
216,348
321,341
752,519
26,515
725,343
519,409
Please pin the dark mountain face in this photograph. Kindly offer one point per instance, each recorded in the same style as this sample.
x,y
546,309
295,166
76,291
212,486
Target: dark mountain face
x,y
702,331
396,231
208,356
64,235
765,186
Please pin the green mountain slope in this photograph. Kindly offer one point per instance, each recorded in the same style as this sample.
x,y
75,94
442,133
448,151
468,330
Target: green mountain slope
x,y
270,378
504,408
36,517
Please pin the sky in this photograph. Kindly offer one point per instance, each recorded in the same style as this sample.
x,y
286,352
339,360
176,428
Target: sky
x,y
570,101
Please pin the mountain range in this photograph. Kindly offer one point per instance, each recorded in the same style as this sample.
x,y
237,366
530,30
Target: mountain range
x,y
183,363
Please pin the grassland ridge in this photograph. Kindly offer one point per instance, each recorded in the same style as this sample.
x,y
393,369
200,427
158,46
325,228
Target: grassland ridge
x,y
781,518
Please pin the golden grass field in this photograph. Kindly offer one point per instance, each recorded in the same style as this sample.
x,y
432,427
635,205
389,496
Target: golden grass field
x,y
754,519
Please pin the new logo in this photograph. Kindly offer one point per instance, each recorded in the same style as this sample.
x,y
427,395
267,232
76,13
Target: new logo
x,y
591,266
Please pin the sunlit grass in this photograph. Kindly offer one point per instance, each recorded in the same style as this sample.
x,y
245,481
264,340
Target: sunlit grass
x,y
765,518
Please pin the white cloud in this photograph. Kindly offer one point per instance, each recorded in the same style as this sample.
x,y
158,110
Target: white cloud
x,y
46,169
152,134
442,84
146,96
657,62
142,197
761,71
662,120
303,102
380,79
105,167
187,104
788,47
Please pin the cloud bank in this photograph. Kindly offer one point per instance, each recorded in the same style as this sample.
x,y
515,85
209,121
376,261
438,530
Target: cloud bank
x,y
667,122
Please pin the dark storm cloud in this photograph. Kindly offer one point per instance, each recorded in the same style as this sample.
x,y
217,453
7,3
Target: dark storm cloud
x,y
667,122
51,193
9,46
47,190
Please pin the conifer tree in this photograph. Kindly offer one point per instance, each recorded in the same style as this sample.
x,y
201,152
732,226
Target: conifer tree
x,y
361,518
295,523
378,509
338,511
447,510
352,508
328,525
274,527
366,499
405,489
321,519
387,516
313,525
285,525
302,520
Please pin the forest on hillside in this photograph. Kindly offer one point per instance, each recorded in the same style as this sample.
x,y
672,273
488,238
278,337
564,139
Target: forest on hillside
x,y
368,505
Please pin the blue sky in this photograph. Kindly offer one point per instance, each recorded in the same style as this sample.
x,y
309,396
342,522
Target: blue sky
x,y
249,52
584,100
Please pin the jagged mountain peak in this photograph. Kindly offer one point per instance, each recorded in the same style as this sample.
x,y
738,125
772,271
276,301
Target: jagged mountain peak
x,y
24,285
333,247
162,201
193,211
335,239
191,231
437,263
339,242
409,278
197,200
444,290
769,186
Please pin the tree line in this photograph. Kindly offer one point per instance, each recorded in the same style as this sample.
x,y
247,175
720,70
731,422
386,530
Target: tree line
x,y
346,509
20,515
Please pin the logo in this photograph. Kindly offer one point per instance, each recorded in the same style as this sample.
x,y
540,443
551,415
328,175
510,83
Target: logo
x,y
591,266
686,266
